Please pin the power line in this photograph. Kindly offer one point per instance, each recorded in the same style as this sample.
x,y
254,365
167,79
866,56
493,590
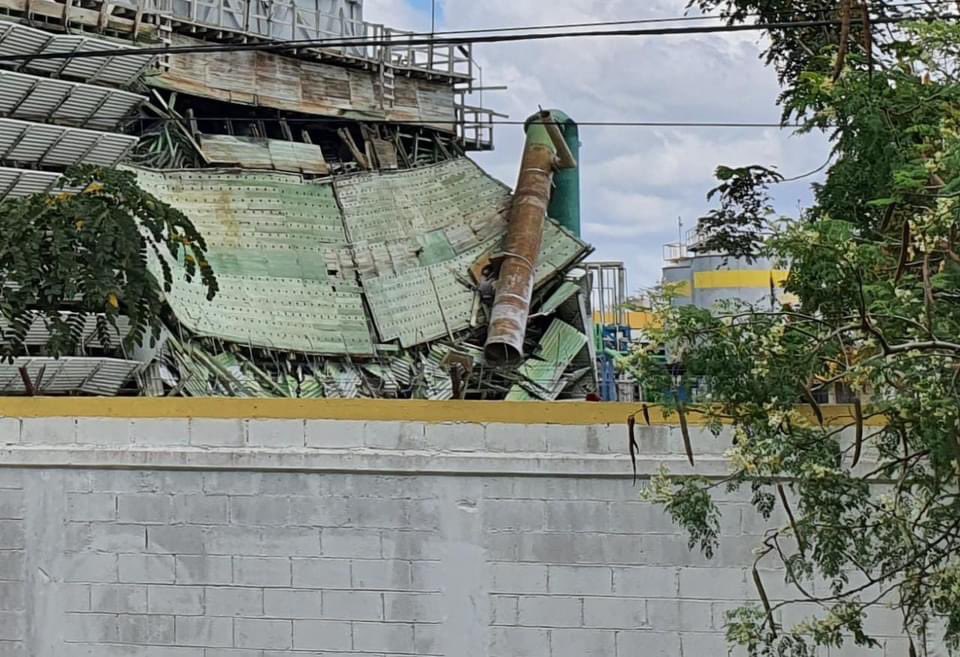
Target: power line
x,y
325,119
281,46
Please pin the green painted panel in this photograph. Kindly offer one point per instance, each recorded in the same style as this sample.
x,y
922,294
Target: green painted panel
x,y
541,373
268,236
559,296
287,256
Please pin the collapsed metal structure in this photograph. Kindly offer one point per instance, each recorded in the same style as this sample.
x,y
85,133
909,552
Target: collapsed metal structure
x,y
359,252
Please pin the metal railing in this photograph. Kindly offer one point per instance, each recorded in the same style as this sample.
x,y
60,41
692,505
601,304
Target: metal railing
x,y
475,125
686,248
675,251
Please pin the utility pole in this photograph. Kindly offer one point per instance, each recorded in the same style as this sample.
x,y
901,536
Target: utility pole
x,y
433,17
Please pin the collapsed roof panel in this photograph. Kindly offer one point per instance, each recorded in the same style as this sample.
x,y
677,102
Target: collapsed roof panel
x,y
294,268
407,204
541,375
445,217
278,247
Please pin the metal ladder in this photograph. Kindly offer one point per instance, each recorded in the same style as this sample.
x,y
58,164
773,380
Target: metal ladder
x,y
388,86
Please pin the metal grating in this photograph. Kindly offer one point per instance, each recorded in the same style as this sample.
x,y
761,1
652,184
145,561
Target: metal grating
x,y
15,183
72,375
69,103
54,145
16,39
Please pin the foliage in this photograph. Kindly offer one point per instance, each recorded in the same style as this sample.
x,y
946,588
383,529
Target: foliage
x,y
868,498
738,226
88,253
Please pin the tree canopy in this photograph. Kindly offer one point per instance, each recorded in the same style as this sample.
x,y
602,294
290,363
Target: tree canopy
x,y
870,501
87,252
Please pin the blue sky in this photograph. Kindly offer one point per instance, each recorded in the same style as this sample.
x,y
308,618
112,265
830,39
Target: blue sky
x,y
637,182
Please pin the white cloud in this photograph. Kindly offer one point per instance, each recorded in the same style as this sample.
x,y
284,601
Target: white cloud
x,y
636,181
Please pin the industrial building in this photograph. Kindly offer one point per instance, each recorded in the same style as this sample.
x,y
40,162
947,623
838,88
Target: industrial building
x,y
359,252
703,279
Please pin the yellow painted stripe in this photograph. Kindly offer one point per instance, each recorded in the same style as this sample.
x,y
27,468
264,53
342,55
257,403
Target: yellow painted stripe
x,y
430,412
636,319
707,280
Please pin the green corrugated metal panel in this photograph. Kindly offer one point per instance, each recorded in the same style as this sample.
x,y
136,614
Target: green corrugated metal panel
x,y
270,238
560,250
422,304
417,304
286,256
555,300
407,203
542,372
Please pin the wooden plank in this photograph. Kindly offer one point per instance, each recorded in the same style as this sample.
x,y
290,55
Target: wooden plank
x,y
75,15
278,78
286,83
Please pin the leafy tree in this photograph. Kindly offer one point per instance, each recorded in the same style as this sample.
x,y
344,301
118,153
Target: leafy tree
x,y
66,257
869,498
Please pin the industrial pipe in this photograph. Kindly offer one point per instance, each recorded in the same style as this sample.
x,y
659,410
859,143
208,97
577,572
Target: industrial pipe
x,y
528,211
565,200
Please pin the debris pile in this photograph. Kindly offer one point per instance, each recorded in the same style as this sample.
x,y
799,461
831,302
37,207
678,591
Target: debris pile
x,y
375,284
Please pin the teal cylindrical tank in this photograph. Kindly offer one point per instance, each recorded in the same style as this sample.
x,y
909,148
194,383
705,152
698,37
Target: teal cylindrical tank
x,y
565,200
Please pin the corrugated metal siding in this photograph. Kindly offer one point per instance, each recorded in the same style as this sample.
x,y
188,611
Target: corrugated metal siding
x,y
23,182
71,375
251,153
70,103
16,39
271,237
54,145
541,374
38,334
445,217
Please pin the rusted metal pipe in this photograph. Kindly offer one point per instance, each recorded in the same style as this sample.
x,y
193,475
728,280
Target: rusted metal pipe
x,y
511,305
565,157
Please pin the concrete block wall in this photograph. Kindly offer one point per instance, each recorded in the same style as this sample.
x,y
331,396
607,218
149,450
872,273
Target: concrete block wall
x,y
177,537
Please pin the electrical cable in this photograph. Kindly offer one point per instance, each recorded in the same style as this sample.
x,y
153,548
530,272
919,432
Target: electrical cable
x,y
281,46
438,122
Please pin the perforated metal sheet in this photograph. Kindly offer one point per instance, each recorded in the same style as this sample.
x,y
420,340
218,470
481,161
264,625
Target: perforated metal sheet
x,y
16,39
402,204
542,373
15,183
276,246
449,215
288,260
54,145
69,103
